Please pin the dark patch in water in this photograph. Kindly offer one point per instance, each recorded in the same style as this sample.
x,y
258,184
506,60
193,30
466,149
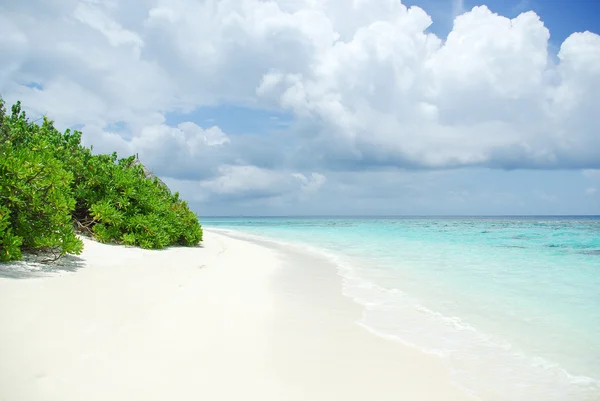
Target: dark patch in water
x,y
512,246
339,225
593,252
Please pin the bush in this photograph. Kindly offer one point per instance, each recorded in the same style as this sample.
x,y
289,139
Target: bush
x,y
50,183
127,207
36,199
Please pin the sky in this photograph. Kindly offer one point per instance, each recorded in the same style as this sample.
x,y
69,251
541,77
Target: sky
x,y
326,107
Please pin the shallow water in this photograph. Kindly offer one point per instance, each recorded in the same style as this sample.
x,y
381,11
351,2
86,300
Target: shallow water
x,y
512,305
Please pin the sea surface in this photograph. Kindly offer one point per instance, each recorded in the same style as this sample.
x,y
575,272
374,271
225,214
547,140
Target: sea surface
x,y
510,304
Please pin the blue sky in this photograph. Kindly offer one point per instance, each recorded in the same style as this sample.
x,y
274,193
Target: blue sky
x,y
286,108
236,119
562,17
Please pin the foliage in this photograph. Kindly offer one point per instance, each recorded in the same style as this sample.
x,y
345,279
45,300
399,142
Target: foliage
x,y
50,183
35,190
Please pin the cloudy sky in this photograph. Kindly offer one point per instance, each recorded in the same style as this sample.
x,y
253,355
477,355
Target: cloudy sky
x,y
287,107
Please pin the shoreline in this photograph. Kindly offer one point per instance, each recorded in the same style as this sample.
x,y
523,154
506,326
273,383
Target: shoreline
x,y
484,366
234,319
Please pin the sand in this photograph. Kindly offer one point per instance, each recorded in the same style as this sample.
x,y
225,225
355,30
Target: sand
x,y
231,320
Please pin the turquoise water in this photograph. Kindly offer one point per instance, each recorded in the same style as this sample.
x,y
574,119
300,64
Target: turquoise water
x,y
512,305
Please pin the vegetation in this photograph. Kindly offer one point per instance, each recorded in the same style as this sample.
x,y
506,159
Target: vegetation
x,y
51,186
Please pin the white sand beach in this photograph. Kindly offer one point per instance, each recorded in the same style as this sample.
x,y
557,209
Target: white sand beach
x,y
232,320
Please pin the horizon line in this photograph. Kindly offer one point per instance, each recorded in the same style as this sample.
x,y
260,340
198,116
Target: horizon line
x,y
395,215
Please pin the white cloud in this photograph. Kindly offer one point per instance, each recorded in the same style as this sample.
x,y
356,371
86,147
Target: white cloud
x,y
591,191
367,85
186,150
90,14
310,184
243,182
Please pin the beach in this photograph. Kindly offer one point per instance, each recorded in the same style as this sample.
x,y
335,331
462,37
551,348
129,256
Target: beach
x,y
233,319
508,304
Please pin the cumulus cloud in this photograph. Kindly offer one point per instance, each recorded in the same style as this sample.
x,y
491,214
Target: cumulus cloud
x,y
93,16
238,182
368,86
486,96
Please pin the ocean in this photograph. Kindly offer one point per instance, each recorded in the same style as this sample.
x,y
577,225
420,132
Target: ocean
x,y
510,304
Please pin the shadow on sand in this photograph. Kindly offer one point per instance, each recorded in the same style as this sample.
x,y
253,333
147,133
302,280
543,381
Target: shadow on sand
x,y
31,267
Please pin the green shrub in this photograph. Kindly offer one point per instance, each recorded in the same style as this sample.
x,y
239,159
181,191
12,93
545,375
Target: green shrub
x,y
49,182
35,191
129,208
